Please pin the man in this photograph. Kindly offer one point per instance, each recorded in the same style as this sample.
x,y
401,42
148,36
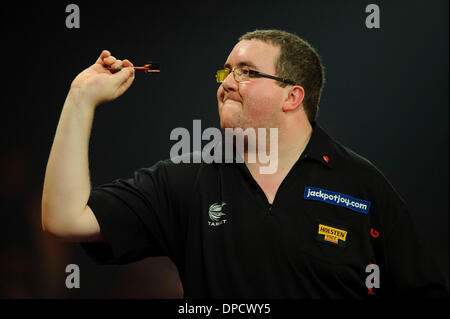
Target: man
x,y
326,224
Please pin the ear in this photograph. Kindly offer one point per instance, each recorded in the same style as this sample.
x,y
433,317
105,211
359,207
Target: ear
x,y
294,98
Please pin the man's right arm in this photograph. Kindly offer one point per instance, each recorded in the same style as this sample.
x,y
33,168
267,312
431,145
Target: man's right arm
x,y
67,187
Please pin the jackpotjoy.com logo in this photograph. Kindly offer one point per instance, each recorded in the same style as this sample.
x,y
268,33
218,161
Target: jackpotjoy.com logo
x,y
256,145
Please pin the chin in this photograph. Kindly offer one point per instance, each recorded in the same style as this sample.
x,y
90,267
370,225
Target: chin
x,y
228,118
226,124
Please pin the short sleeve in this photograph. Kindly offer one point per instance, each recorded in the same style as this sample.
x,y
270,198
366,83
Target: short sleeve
x,y
413,272
138,218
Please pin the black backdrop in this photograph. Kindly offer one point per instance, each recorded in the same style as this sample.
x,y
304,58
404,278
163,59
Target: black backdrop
x,y
386,97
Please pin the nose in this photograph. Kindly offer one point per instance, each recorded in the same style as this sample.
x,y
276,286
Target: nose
x,y
230,84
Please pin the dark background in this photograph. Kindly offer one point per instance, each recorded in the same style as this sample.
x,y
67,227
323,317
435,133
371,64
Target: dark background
x,y
386,98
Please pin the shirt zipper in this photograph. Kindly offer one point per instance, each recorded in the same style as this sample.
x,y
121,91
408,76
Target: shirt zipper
x,y
302,157
269,205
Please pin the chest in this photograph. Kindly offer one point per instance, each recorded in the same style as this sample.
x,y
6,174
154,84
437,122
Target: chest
x,y
248,246
240,218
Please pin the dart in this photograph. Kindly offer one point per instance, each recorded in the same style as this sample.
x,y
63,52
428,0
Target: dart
x,y
150,67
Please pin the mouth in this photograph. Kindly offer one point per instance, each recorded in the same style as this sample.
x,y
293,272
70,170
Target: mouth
x,y
231,100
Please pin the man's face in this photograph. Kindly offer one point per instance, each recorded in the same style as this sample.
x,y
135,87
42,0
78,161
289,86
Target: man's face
x,y
256,103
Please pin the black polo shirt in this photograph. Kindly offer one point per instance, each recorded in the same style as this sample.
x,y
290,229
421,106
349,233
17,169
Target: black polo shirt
x,y
333,215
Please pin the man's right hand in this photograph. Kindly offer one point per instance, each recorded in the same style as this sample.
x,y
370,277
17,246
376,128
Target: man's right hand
x,y
66,191
98,84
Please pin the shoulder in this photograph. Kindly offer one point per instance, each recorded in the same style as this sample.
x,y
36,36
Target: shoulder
x,y
365,174
184,169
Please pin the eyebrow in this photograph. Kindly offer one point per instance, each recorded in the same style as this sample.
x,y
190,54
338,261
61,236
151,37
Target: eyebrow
x,y
243,63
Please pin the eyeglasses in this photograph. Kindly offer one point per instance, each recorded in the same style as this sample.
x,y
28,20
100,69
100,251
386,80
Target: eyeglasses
x,y
243,74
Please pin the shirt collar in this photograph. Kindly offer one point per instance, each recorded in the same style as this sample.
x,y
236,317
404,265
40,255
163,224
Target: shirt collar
x,y
319,147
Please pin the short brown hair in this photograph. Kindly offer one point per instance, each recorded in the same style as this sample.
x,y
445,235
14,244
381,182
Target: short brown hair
x,y
298,62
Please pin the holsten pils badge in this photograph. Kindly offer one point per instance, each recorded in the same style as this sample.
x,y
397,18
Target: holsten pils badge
x,y
332,235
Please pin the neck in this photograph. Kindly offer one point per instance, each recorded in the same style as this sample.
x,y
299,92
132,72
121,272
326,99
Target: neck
x,y
292,140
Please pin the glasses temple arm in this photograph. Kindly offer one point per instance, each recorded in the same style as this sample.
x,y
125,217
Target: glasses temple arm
x,y
256,73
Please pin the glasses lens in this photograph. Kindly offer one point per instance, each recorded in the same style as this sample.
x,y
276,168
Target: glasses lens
x,y
221,75
242,74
